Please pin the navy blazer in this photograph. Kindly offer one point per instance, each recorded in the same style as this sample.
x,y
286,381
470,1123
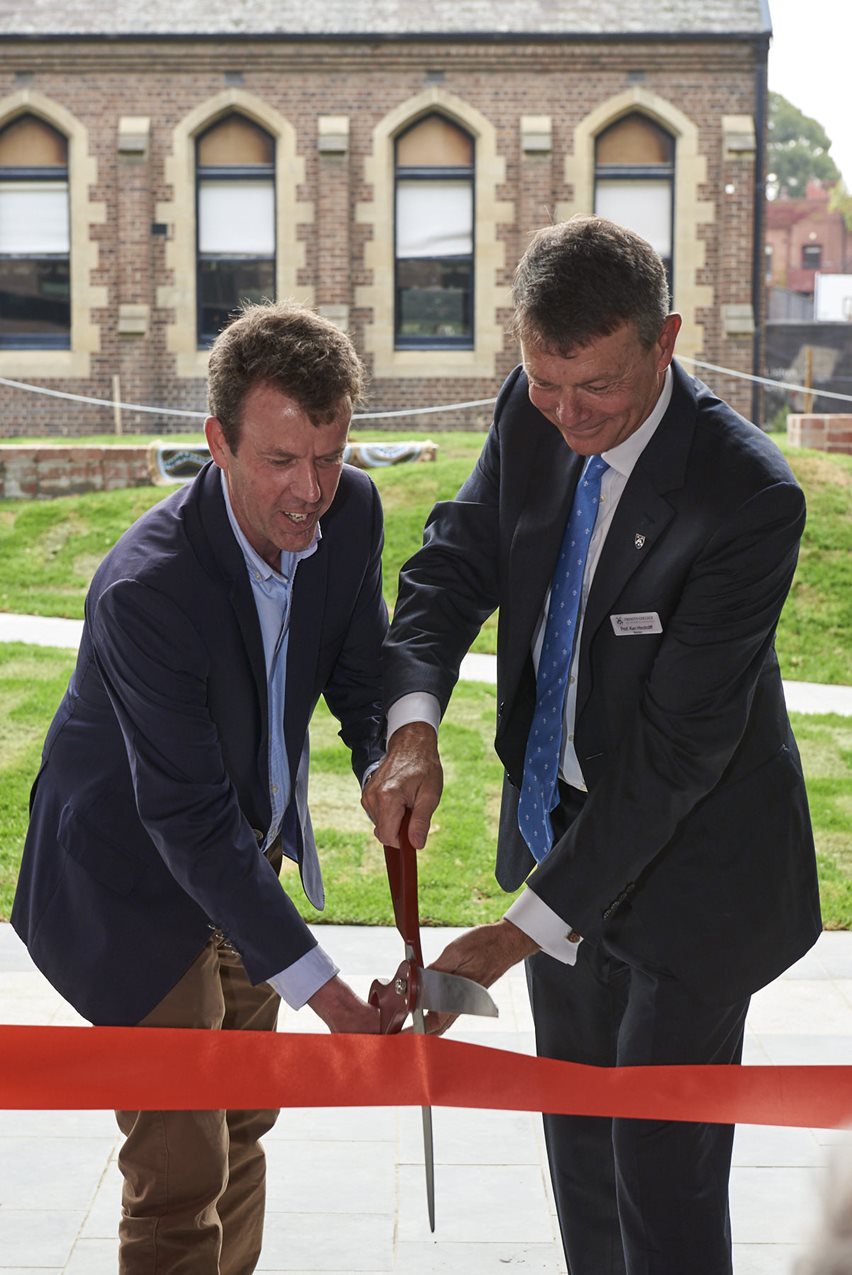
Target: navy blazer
x,y
153,786
694,843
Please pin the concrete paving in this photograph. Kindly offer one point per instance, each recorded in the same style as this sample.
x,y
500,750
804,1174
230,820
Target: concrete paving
x,y
802,697
346,1189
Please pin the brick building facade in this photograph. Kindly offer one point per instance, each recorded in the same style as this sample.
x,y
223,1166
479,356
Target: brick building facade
x,y
805,237
387,174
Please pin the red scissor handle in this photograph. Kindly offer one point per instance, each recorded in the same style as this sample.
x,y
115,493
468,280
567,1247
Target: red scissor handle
x,y
402,875
397,998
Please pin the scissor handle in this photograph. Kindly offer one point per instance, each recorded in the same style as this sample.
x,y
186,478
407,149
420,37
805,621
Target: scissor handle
x,y
402,876
395,999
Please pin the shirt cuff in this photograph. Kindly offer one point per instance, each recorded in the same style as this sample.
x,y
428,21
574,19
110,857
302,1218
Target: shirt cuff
x,y
418,706
297,983
542,924
368,772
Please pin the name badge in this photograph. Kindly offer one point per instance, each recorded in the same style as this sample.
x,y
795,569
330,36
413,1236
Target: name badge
x,y
636,623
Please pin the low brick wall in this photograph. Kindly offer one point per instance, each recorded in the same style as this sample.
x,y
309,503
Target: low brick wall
x,y
30,472
825,432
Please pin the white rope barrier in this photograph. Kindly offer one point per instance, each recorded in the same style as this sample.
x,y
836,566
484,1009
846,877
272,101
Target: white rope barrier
x,y
765,380
410,411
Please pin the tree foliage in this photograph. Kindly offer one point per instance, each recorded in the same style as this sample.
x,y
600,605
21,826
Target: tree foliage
x,y
797,150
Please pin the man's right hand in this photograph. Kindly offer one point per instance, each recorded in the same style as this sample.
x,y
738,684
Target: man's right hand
x,y
409,778
342,1010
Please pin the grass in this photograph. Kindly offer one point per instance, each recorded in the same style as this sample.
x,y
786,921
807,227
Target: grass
x,y
457,885
49,549
813,637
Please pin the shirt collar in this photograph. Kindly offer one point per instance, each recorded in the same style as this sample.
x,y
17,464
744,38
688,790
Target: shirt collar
x,y
624,457
254,563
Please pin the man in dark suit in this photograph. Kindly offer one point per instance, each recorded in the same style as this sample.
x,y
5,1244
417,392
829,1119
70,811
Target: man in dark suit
x,y
664,804
174,775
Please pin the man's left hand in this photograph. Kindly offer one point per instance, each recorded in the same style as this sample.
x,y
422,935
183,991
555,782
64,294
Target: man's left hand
x,y
482,954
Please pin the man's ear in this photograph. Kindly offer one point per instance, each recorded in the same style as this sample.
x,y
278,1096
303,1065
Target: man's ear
x,y
666,340
215,435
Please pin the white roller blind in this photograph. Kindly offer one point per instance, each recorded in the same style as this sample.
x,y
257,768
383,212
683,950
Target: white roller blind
x,y
434,218
236,218
645,207
34,218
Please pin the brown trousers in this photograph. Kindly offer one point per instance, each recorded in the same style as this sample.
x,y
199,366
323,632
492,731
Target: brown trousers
x,y
194,1181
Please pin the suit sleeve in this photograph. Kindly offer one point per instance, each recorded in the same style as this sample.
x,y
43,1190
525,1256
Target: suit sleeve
x,y
354,690
154,666
693,712
449,588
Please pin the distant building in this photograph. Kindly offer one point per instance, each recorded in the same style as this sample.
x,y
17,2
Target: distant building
x,y
803,240
383,161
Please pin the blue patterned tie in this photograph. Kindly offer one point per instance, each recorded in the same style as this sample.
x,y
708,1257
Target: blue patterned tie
x,y
539,793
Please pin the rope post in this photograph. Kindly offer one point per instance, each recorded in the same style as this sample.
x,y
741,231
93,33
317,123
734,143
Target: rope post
x,y
116,402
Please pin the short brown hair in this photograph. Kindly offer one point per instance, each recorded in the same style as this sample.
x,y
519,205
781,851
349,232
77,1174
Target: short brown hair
x,y
288,346
582,279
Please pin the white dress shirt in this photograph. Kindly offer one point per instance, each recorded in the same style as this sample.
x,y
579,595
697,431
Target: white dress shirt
x,y
549,930
272,592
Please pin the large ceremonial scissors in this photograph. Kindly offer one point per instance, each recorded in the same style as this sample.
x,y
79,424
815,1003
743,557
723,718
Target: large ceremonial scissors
x,y
416,990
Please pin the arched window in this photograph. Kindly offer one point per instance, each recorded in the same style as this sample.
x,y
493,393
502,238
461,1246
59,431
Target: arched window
x,y
235,177
634,180
434,237
35,275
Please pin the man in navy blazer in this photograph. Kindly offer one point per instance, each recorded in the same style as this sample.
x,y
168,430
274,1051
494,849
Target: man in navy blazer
x,y
678,874
174,773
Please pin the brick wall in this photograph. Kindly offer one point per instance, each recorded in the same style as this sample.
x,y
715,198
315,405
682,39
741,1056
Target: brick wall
x,y
51,470
99,84
826,433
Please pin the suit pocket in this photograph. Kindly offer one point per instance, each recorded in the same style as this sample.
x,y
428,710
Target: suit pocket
x,y
105,860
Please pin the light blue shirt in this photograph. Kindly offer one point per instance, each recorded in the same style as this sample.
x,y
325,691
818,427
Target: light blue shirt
x,y
273,592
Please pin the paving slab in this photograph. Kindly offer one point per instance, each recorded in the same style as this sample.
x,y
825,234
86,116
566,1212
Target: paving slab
x,y
346,1185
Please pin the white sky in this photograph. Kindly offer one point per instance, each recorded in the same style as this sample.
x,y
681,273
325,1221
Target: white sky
x,y
810,62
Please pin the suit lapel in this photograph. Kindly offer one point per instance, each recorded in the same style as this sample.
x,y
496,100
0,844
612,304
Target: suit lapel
x,y
306,625
535,546
642,516
221,555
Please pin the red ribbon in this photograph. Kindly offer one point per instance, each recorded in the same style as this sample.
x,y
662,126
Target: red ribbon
x,y
73,1068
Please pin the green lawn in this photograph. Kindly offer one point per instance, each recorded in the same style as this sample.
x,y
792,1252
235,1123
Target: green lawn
x,y
457,885
50,548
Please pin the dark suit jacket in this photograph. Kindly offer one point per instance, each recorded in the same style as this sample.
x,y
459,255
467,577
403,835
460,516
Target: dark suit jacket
x,y
695,839
154,776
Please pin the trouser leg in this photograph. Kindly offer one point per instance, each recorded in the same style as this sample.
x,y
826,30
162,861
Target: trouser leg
x,y
242,1206
577,1011
175,1163
672,1177
193,1197
635,1197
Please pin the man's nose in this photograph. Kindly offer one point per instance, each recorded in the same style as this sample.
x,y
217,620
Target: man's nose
x,y
567,409
306,485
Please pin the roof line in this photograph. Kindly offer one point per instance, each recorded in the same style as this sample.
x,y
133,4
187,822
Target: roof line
x,y
384,37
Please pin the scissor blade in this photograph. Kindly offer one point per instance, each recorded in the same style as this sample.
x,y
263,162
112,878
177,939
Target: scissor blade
x,y
451,994
428,1146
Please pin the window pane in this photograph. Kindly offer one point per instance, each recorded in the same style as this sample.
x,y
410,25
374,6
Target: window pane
x,y
236,141
31,143
434,299
35,299
635,140
34,218
236,217
434,219
223,285
435,143
643,206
